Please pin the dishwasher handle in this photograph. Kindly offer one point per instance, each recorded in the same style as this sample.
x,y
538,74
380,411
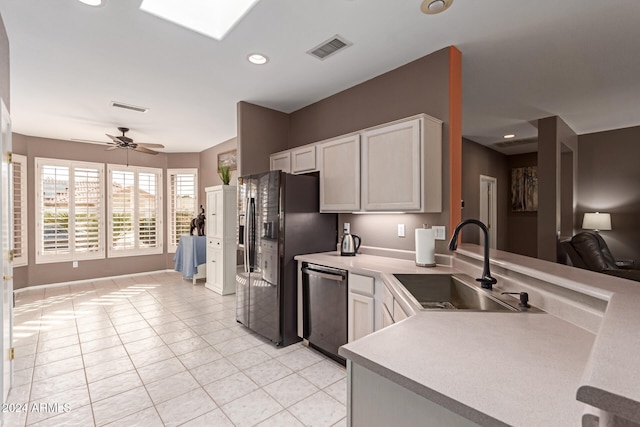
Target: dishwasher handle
x,y
329,276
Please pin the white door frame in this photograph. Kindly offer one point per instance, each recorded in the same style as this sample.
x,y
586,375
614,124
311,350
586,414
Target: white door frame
x,y
489,208
6,244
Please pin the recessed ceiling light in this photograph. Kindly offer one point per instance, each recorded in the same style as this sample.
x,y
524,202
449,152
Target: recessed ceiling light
x,y
431,7
257,58
211,18
509,136
92,2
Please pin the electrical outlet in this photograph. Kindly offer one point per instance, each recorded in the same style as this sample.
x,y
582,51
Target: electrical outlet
x,y
440,232
347,228
400,230
75,264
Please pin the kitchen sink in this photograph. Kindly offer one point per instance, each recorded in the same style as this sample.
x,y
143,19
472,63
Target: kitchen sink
x,y
456,292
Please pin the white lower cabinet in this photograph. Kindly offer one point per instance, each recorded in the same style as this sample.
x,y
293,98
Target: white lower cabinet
x,y
374,400
361,307
221,239
391,311
387,318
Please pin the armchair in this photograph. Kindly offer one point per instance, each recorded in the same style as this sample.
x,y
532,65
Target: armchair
x,y
589,251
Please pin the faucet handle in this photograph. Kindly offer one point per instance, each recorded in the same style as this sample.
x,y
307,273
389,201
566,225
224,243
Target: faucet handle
x,y
524,298
487,282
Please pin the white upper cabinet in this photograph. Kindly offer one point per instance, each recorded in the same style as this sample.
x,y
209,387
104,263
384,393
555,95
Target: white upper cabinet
x,y
297,160
303,159
402,166
340,174
281,161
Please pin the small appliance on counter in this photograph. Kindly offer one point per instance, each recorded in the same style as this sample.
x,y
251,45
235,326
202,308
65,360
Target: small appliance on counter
x,y
425,247
349,246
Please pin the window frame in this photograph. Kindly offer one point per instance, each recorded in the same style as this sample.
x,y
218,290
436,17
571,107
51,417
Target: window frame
x,y
171,246
72,254
137,250
23,259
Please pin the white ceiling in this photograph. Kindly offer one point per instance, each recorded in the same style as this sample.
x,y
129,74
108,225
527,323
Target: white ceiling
x,y
522,60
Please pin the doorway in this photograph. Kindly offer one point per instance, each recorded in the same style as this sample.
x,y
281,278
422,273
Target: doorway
x,y
489,208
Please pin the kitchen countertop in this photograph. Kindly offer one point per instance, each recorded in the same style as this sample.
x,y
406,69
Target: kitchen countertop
x,y
512,368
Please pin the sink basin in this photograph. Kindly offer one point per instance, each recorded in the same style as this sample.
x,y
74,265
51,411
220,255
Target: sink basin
x,y
455,292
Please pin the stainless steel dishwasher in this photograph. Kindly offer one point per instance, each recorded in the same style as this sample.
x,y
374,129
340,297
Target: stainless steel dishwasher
x,y
324,296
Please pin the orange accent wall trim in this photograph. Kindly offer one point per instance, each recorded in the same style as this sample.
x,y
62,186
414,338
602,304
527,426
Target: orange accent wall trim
x,y
455,137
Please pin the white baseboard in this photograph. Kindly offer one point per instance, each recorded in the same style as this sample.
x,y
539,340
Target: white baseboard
x,y
97,279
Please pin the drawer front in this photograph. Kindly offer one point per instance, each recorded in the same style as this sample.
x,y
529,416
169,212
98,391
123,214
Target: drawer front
x,y
361,284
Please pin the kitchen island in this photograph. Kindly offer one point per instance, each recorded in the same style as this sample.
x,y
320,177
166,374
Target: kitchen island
x,y
571,365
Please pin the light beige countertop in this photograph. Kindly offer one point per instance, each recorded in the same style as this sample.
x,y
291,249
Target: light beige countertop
x,y
512,368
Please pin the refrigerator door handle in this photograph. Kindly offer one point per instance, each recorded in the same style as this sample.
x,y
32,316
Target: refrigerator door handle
x,y
247,244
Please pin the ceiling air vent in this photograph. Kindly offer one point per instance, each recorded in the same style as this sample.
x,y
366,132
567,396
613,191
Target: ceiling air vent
x,y
129,107
513,143
329,47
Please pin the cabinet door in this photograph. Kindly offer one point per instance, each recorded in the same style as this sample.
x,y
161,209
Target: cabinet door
x,y
387,319
360,316
281,161
398,313
215,268
303,159
340,174
391,165
215,214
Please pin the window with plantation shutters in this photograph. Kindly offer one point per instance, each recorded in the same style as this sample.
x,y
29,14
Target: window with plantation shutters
x,y
20,249
70,200
135,211
182,205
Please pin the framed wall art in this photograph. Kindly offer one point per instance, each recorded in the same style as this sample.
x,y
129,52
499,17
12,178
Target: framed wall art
x,y
228,158
524,189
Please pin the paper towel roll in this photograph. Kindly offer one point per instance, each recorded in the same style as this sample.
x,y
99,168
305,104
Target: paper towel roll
x,y
425,247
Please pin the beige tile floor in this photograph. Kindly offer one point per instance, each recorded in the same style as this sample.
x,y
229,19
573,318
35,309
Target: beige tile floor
x,y
155,350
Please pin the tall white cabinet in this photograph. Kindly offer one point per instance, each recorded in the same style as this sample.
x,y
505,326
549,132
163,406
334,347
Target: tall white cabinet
x,y
221,239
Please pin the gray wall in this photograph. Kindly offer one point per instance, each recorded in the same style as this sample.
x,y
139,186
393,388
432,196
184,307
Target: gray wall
x,y
522,227
261,131
479,160
208,164
609,181
5,91
553,132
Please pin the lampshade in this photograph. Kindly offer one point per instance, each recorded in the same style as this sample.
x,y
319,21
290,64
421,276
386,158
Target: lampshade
x,y
596,221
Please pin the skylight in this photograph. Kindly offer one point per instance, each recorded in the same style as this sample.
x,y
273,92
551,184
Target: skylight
x,y
213,18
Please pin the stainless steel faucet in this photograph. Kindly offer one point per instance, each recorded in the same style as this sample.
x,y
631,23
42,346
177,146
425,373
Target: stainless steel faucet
x,y
486,281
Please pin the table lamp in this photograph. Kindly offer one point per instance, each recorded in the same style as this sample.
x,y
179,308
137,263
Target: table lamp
x,y
596,221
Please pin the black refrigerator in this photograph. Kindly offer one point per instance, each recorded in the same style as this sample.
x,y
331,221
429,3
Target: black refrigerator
x,y
278,218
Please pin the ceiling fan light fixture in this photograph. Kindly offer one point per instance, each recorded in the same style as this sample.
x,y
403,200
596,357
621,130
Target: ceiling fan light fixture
x,y
509,136
91,2
432,7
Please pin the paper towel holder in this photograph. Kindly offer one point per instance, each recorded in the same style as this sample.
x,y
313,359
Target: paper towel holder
x,y
425,255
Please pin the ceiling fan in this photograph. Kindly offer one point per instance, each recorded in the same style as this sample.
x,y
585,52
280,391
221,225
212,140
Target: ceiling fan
x,y
123,141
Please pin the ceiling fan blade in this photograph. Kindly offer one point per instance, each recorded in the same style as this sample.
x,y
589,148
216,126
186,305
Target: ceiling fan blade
x,y
145,150
115,147
113,138
88,140
144,144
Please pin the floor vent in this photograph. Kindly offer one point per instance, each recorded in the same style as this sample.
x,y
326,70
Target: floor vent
x,y
329,47
129,107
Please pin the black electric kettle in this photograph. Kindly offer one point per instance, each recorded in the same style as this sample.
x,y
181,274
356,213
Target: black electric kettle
x,y
350,244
